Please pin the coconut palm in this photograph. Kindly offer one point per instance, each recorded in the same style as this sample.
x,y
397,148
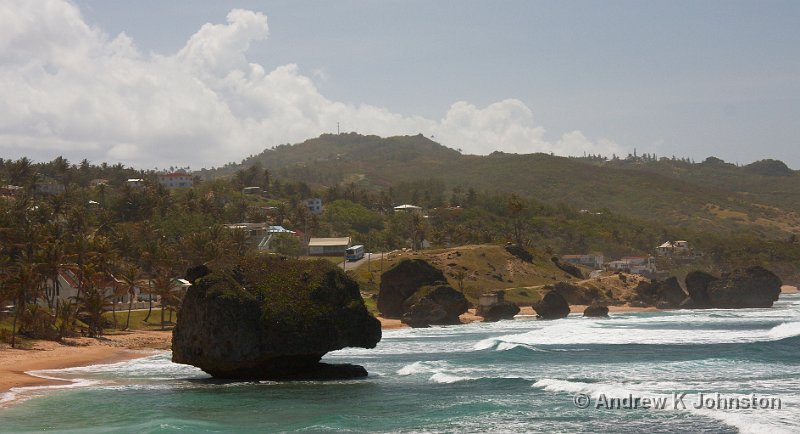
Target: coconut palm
x,y
129,283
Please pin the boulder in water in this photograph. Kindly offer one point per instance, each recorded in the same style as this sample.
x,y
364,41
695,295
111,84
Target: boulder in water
x,y
551,306
596,310
753,287
272,318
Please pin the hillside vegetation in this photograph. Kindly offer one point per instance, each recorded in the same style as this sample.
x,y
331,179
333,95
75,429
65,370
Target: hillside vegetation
x,y
763,197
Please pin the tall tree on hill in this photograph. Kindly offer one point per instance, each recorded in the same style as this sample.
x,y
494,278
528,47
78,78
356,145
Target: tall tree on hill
x,y
516,209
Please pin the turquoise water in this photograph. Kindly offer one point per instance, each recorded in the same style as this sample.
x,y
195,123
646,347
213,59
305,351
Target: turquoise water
x,y
511,376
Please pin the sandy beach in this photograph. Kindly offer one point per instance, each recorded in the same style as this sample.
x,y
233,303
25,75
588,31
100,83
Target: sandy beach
x,y
14,363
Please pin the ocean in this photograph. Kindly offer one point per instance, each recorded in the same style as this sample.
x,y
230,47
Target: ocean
x,y
671,371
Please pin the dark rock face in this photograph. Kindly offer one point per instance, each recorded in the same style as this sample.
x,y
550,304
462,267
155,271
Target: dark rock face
x,y
697,286
499,311
552,306
750,288
403,281
519,252
596,310
666,294
272,319
576,294
440,305
567,268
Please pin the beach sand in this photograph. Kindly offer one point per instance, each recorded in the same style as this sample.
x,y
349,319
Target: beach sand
x,y
14,363
788,289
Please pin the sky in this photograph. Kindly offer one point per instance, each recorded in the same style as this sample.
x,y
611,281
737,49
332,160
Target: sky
x,y
200,83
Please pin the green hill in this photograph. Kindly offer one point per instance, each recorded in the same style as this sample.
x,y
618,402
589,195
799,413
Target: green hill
x,y
763,197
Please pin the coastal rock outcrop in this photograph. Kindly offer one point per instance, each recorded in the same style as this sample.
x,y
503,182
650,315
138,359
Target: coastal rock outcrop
x,y
567,268
439,305
551,306
402,281
272,318
575,294
664,294
493,307
749,288
596,310
697,286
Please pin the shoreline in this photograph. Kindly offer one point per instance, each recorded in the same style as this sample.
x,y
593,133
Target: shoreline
x,y
18,366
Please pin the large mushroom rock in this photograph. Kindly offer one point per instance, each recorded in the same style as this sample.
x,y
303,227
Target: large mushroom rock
x,y
575,294
697,283
753,287
402,281
497,308
551,306
567,268
439,305
596,310
272,318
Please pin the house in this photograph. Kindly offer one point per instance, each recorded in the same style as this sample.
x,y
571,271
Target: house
x,y
314,205
177,179
252,190
408,208
328,246
98,182
593,261
10,190
634,264
674,248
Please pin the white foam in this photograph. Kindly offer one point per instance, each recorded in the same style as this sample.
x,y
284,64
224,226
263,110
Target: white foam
x,y
443,378
773,421
785,330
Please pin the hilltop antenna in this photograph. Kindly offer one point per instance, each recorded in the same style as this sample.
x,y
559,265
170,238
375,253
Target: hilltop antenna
x,y
337,128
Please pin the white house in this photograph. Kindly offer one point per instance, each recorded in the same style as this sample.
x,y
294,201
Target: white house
x,y
178,179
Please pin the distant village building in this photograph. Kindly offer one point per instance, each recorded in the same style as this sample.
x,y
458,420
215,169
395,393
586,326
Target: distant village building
x,y
10,190
594,261
251,190
314,205
135,182
177,179
49,187
98,182
408,208
260,234
674,248
634,264
328,246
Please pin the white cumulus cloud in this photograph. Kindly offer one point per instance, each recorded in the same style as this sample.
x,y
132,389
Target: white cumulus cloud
x,y
67,88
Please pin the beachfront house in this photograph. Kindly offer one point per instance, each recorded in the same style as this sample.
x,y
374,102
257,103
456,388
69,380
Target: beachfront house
x,y
328,246
261,234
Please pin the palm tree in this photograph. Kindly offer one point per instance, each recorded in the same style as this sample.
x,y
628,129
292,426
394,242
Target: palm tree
x,y
23,280
128,278
93,302
161,285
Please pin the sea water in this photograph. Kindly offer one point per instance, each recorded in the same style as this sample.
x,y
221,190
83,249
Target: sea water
x,y
526,375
